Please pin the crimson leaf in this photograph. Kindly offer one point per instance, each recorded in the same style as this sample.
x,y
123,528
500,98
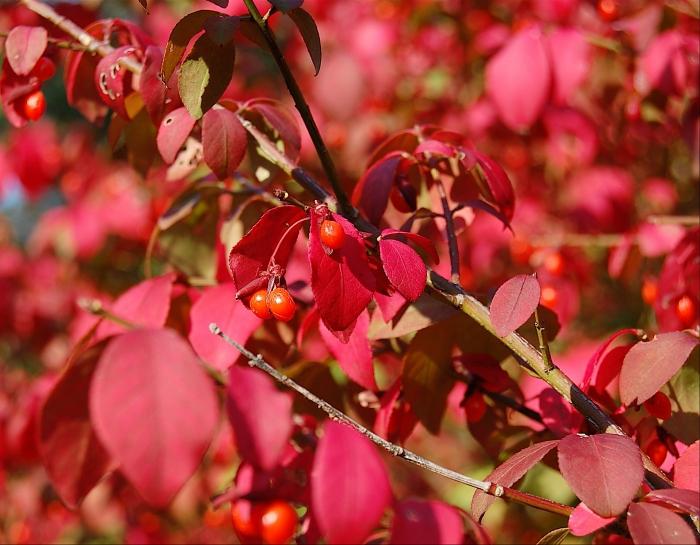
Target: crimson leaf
x,y
513,303
224,141
403,267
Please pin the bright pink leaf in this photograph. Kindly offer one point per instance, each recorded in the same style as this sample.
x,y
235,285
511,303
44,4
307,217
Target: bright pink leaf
x,y
686,473
518,79
571,56
342,282
510,472
604,471
349,485
403,267
24,46
251,255
73,456
146,305
224,141
513,303
371,194
650,365
172,133
686,500
355,356
653,524
261,416
583,521
218,304
426,521
155,410
422,242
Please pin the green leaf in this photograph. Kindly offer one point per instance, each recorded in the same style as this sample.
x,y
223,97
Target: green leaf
x,y
309,32
684,389
205,74
185,29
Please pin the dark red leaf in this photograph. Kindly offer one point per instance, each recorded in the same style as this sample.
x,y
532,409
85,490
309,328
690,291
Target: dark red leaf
x,y
686,500
349,485
604,471
286,5
309,32
422,242
426,521
224,141
653,524
583,521
24,46
172,133
153,91
395,421
281,121
371,194
261,416
596,358
251,255
685,471
403,267
514,302
342,282
155,410
510,472
650,365
499,188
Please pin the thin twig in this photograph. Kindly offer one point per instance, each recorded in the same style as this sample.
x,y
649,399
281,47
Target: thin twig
x,y
674,220
61,44
449,229
255,360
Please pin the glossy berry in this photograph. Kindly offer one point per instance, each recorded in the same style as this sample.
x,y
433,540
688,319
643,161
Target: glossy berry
x,y
659,406
247,517
475,407
686,311
278,523
607,9
258,304
332,234
44,69
554,263
656,451
650,291
549,297
281,304
34,105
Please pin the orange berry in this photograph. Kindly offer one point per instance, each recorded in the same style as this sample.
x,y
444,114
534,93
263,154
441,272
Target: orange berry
x,y
554,263
247,518
34,105
650,291
278,523
686,311
258,304
659,406
281,304
549,297
332,234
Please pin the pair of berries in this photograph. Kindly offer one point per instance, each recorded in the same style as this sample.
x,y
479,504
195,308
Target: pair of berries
x,y
273,523
278,303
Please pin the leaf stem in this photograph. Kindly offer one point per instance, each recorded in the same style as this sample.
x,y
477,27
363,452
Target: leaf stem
x,y
449,229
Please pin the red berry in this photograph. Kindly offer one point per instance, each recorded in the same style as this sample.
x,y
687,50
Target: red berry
x,y
44,69
247,520
521,251
33,105
281,304
332,234
659,406
279,522
549,297
475,407
258,304
650,291
554,263
656,451
686,311
607,9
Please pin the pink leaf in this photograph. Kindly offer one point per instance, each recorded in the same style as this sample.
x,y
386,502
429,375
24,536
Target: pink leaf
x,y
685,472
173,131
595,360
654,524
73,456
355,356
514,303
403,267
218,304
146,305
500,189
371,194
650,365
686,500
510,472
153,91
24,46
224,141
426,521
349,485
261,416
113,81
583,521
571,61
155,410
518,79
342,282
250,257
422,242
604,471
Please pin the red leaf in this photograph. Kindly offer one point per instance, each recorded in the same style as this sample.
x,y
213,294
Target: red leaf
x,y
371,194
349,485
113,81
355,356
395,420
499,188
518,79
219,305
583,521
24,46
686,500
309,32
510,472
261,416
426,521
282,122
650,365
13,87
654,524
155,410
403,267
146,304
73,456
422,242
250,256
604,471
342,282
514,302
224,141
172,133
685,472
596,358
153,90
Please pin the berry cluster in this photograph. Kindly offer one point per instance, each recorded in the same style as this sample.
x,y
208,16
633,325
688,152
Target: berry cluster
x,y
273,522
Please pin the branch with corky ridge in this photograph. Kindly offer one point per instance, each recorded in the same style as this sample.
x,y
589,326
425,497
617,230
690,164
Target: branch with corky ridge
x,y
454,293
